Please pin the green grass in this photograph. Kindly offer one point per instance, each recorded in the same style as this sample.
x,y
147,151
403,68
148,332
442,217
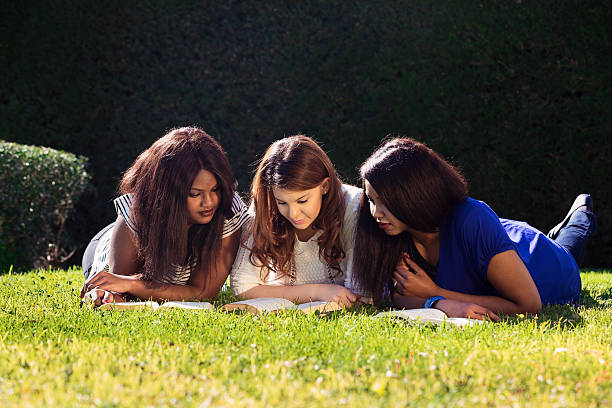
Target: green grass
x,y
56,353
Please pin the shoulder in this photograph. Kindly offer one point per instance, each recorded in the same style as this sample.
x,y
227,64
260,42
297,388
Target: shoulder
x,y
352,196
237,218
471,211
123,205
474,222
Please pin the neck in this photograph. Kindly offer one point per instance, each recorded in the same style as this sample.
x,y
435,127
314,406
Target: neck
x,y
305,234
428,245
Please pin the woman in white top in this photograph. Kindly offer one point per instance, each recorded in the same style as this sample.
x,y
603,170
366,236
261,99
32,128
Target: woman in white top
x,y
302,227
177,229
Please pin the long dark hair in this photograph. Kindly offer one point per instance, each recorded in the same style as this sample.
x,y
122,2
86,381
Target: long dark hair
x,y
294,163
159,181
419,188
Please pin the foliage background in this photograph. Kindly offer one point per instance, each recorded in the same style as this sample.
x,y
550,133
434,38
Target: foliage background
x,y
38,188
517,94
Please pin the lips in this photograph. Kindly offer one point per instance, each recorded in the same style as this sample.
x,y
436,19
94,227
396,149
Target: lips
x,y
207,213
384,225
298,222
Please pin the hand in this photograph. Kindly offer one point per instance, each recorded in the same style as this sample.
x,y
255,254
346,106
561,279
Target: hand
x,y
99,297
110,282
338,294
409,279
457,308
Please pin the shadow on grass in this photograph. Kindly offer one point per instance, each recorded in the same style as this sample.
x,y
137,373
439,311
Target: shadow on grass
x,y
567,316
596,299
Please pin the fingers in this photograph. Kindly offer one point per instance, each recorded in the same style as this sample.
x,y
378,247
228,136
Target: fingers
x,y
108,297
481,313
92,282
411,265
94,296
399,282
493,316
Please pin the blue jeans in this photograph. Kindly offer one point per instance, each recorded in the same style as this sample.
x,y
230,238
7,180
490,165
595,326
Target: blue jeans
x,y
574,235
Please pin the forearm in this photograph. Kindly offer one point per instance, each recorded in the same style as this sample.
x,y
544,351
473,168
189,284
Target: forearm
x,y
297,293
406,302
162,292
495,303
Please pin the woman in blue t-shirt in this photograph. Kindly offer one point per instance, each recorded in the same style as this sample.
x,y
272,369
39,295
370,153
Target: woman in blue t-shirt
x,y
433,246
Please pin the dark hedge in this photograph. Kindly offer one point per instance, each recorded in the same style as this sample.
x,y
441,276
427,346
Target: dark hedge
x,y
39,186
515,93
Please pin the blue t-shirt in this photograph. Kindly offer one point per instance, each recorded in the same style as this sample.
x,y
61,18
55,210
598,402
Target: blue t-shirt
x,y
473,234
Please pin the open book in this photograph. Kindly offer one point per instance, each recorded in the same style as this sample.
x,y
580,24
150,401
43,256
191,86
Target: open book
x,y
154,305
434,316
254,306
274,305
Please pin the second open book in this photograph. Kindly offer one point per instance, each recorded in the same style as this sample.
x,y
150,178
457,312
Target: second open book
x,y
255,306
429,316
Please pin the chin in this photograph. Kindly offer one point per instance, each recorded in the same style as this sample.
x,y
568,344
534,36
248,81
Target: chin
x,y
301,227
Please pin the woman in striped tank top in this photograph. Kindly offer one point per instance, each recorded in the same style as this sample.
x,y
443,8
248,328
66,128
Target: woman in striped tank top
x,y
177,228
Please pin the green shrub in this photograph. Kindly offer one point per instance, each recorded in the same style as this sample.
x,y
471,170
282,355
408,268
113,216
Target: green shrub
x,y
38,188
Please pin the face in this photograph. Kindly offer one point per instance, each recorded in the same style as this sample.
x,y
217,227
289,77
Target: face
x,y
300,208
203,198
385,220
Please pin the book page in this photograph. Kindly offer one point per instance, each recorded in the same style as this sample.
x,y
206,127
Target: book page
x,y
318,306
188,305
259,305
429,313
129,306
435,316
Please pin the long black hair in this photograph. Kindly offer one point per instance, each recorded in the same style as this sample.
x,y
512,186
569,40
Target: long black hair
x,y
419,188
160,180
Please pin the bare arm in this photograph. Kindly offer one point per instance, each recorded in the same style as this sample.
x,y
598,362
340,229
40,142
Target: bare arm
x,y
203,283
506,272
452,308
406,302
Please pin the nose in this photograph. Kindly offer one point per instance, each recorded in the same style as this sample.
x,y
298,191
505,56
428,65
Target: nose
x,y
377,211
293,211
206,199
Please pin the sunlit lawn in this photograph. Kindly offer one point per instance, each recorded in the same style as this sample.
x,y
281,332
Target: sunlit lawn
x,y
56,353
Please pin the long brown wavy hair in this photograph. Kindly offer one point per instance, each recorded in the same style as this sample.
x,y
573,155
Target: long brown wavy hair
x,y
419,188
294,163
160,180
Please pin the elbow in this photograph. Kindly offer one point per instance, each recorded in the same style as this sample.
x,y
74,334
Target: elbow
x,y
206,293
533,306
247,294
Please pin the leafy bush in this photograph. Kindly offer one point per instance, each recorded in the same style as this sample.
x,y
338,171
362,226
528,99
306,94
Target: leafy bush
x,y
38,188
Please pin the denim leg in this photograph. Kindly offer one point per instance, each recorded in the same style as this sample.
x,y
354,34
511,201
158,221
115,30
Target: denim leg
x,y
574,235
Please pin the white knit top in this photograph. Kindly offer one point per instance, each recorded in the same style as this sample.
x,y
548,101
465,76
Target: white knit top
x,y
309,267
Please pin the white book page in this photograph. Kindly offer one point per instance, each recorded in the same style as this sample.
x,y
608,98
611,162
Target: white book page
x,y
188,305
266,304
129,305
429,315
318,306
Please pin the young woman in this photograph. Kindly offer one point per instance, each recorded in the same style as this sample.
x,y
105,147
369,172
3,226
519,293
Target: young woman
x,y
301,233
421,238
177,229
